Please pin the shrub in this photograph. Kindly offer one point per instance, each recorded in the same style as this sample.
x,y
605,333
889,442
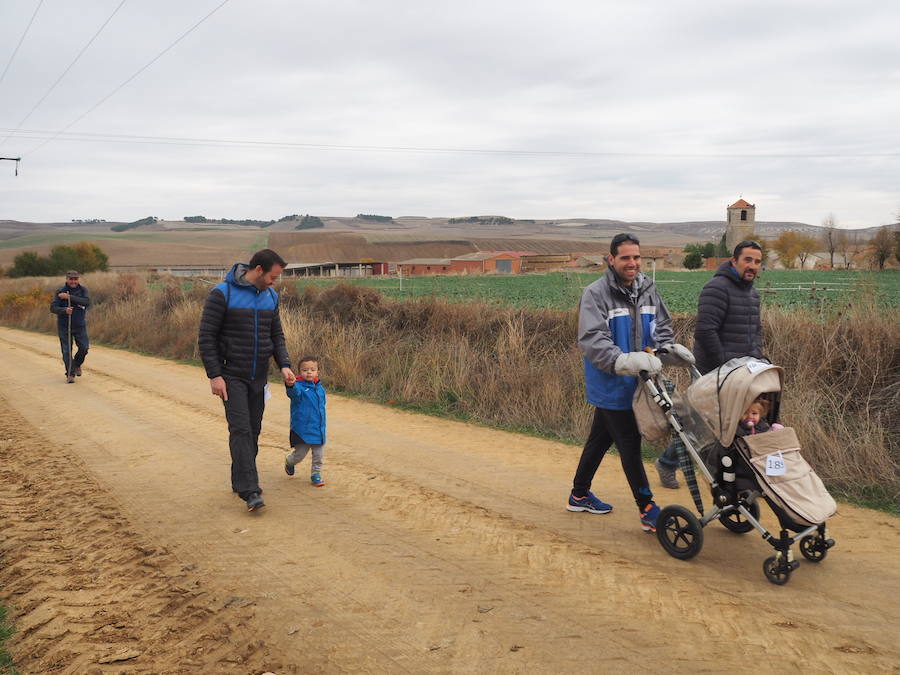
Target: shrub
x,y
308,222
122,227
693,260
83,256
521,368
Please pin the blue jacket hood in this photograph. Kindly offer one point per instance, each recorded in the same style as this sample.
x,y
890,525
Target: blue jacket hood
x,y
236,274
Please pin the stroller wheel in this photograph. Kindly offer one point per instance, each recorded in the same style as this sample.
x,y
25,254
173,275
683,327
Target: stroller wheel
x,y
778,571
679,532
814,548
736,522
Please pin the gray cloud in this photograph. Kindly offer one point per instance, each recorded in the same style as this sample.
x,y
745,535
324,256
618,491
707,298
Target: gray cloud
x,y
759,87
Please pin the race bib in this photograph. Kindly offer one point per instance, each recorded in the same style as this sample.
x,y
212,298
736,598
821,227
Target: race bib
x,y
775,465
756,366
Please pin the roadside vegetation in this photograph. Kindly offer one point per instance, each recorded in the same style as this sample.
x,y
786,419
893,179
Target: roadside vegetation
x,y
518,367
83,256
6,631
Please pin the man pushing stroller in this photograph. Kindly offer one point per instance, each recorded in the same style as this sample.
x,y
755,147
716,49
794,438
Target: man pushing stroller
x,y
619,316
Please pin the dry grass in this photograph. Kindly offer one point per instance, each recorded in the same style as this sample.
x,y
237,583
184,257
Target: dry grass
x,y
520,368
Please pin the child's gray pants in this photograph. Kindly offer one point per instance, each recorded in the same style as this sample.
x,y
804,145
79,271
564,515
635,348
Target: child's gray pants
x,y
300,450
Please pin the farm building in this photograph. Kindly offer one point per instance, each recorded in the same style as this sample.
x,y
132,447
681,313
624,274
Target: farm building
x,y
424,266
547,263
483,262
216,271
591,261
713,263
362,268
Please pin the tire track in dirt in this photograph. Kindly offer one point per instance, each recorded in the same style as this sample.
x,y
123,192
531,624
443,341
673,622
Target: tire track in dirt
x,y
438,546
89,592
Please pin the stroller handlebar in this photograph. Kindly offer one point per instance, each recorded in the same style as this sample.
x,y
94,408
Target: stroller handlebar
x,y
691,368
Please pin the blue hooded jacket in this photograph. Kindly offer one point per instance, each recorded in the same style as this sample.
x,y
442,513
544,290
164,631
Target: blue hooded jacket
x,y
308,411
240,329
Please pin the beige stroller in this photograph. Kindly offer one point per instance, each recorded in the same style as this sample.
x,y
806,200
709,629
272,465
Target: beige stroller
x,y
739,469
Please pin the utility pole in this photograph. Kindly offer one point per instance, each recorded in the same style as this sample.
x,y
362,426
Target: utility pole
x,y
14,159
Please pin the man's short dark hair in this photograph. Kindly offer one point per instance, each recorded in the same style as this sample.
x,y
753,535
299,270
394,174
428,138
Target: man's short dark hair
x,y
747,243
620,239
266,259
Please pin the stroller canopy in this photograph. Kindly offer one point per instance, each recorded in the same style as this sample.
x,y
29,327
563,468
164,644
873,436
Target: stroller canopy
x,y
720,397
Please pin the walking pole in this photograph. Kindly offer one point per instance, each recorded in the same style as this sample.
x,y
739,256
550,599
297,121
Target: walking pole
x,y
69,314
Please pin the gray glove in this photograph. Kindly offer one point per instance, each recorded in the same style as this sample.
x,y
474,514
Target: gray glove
x,y
674,354
632,363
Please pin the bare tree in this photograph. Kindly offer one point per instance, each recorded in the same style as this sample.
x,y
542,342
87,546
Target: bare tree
x,y
882,245
843,245
857,244
806,246
829,237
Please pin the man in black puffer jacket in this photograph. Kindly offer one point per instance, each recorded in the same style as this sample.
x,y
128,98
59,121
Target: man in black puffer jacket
x,y
240,329
728,323
728,326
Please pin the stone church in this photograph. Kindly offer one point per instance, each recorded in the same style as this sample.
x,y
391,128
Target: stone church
x,y
740,221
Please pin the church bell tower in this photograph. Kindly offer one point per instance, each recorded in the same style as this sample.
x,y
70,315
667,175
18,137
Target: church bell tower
x,y
740,222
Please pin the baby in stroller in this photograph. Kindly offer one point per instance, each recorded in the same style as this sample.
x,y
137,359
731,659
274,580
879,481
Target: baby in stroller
x,y
753,421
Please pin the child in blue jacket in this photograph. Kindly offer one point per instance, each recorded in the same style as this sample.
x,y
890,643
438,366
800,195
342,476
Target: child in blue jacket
x,y
307,419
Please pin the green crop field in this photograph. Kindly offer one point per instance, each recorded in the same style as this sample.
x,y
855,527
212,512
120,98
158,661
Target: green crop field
x,y
561,290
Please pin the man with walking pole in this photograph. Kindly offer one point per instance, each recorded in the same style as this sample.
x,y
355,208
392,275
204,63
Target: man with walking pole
x,y
70,305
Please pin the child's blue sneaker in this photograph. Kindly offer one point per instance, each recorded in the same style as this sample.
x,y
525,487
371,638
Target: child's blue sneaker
x,y
288,467
590,503
649,516
316,479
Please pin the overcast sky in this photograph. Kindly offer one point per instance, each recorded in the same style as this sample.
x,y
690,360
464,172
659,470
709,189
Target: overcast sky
x,y
652,110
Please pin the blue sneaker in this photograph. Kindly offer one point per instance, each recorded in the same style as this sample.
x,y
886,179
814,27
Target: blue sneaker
x,y
288,467
316,479
649,516
590,504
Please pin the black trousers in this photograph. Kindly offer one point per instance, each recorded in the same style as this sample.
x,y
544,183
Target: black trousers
x,y
80,337
608,427
244,412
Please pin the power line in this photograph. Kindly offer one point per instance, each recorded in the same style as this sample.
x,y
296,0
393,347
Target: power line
x,y
128,80
65,72
21,40
87,137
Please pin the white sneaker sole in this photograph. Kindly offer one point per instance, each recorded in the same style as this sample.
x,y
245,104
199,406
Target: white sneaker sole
x,y
576,509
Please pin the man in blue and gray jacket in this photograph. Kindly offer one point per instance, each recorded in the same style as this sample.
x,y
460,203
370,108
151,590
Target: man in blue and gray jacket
x,y
620,314
240,330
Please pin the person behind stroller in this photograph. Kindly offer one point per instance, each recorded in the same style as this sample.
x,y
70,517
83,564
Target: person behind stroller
x,y
754,421
728,326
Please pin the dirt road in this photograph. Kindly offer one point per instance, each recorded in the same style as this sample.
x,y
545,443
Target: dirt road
x,y
434,547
